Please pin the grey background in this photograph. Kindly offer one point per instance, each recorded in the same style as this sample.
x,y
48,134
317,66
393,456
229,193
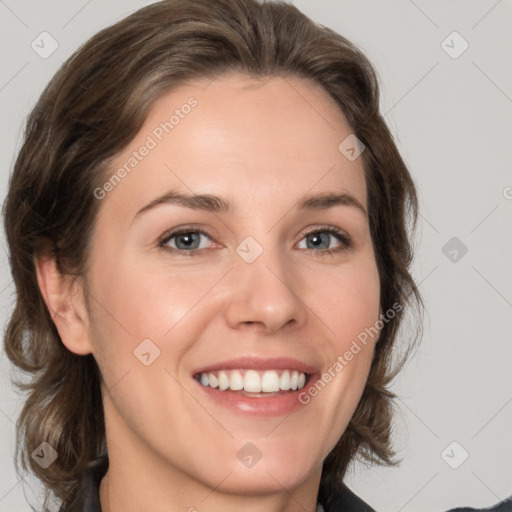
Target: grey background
x,y
452,121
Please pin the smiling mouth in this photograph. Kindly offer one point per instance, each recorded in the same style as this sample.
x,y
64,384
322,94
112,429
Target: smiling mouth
x,y
254,383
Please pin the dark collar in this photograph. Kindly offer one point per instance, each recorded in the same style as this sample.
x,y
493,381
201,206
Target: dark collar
x,y
88,496
88,499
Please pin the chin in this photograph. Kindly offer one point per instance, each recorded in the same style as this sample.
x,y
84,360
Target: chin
x,y
268,477
282,464
256,466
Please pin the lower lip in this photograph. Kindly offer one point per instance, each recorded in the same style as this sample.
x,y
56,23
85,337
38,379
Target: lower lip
x,y
279,405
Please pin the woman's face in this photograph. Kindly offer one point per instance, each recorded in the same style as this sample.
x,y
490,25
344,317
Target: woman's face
x,y
267,279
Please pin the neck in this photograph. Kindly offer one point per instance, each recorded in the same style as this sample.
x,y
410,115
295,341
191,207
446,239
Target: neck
x,y
138,478
120,492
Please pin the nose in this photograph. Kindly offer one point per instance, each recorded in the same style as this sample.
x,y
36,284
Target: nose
x,y
265,294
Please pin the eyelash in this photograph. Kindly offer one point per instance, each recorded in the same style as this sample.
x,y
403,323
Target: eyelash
x,y
342,237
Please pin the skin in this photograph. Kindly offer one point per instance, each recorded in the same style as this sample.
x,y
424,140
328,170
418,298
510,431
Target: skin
x,y
262,144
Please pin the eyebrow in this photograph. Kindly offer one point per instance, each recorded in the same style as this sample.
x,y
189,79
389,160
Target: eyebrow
x,y
216,204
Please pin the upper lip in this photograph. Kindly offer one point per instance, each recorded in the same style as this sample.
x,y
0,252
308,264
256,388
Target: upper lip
x,y
259,363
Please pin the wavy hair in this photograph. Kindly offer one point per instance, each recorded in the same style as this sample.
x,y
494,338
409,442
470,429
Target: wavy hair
x,y
88,113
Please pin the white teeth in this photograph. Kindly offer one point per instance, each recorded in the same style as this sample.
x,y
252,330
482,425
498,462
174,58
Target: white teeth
x,y
252,381
285,382
213,380
270,382
294,380
223,381
205,381
236,382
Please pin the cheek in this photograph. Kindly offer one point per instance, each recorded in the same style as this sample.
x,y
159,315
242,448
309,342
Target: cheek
x,y
134,302
350,310
348,300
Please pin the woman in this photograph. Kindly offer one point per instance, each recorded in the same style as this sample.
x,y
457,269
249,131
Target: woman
x,y
207,224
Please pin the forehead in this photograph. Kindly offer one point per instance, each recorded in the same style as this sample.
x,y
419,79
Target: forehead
x,y
265,140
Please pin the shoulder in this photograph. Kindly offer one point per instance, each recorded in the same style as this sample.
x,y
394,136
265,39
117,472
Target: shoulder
x,y
502,506
346,501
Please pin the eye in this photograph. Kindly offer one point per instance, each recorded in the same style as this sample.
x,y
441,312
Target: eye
x,y
321,241
323,238
185,241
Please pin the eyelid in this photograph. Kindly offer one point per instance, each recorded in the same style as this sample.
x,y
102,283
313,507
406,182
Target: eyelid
x,y
343,237
330,229
171,233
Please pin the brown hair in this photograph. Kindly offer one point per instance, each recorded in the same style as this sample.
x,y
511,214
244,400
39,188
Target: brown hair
x,y
89,112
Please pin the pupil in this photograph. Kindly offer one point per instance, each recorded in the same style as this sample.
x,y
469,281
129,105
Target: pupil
x,y
316,239
189,238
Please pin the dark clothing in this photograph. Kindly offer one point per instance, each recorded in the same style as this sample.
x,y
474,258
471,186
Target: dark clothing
x,y
88,499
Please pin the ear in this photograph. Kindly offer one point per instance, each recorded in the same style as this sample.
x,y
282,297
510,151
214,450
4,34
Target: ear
x,y
64,298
